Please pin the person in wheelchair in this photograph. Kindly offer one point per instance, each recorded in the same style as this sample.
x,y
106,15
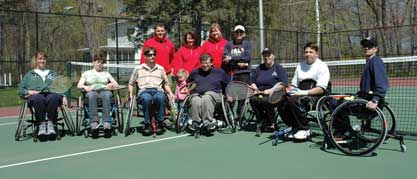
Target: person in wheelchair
x,y
34,89
310,81
95,83
373,84
267,77
210,83
151,80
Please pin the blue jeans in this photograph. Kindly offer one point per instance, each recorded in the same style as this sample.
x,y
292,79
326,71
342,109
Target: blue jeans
x,y
45,104
92,104
148,97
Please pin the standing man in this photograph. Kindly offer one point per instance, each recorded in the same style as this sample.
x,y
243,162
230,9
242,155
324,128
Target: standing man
x,y
314,71
163,46
152,81
374,81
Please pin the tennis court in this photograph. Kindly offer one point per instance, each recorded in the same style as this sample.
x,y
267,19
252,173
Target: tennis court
x,y
239,155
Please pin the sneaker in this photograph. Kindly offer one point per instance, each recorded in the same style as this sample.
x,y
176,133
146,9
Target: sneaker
x,y
167,123
42,129
194,126
94,125
50,128
107,126
147,129
302,134
290,135
211,126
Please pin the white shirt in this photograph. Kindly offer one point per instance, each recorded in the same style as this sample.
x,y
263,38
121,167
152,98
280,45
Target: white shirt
x,y
317,71
42,73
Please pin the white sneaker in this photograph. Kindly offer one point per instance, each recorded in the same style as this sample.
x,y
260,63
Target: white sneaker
x,y
42,129
290,135
50,128
302,134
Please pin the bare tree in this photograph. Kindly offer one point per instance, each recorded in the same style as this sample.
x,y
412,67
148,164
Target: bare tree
x,y
89,7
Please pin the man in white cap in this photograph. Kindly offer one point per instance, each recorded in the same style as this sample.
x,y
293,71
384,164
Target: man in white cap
x,y
236,59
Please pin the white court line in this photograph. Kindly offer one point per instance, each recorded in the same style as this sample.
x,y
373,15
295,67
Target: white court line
x,y
8,117
10,123
91,151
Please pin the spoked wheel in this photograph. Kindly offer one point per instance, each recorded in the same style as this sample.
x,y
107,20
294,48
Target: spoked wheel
x,y
129,116
79,116
20,122
228,118
119,115
246,117
356,130
183,116
324,108
68,120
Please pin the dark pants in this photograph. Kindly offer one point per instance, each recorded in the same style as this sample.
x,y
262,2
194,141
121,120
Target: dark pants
x,y
293,111
45,105
264,111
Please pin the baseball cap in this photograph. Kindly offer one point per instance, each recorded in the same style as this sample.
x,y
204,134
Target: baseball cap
x,y
266,50
239,27
369,42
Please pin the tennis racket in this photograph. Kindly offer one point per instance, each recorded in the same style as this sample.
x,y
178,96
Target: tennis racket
x,y
277,95
59,84
239,90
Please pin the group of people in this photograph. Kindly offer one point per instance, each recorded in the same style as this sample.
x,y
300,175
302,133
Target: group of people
x,y
210,67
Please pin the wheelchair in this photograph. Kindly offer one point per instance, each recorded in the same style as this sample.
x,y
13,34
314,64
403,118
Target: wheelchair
x,y
135,110
25,123
83,116
352,128
223,113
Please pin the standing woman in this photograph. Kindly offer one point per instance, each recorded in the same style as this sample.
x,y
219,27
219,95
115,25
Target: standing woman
x,y
95,82
34,87
215,45
188,56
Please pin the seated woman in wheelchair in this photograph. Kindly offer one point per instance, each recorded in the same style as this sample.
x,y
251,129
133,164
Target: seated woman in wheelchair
x,y
292,111
209,83
95,82
151,80
267,77
33,88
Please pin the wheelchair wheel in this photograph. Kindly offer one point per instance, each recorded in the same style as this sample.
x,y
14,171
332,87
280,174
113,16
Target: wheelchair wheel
x,y
129,116
68,119
79,117
228,118
246,117
20,122
356,130
119,115
391,121
183,116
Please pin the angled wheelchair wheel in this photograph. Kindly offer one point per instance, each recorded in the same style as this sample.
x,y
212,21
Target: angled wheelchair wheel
x,y
119,115
228,118
246,117
21,122
68,120
129,116
183,116
79,117
391,120
356,130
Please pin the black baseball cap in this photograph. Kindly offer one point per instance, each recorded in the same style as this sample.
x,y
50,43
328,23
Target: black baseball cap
x,y
369,42
266,50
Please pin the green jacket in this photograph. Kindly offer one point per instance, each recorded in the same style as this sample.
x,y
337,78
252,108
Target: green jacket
x,y
32,81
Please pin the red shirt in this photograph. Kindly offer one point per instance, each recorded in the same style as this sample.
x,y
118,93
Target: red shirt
x,y
165,51
215,49
187,58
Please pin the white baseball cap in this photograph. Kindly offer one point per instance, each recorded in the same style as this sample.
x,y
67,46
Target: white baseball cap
x,y
239,27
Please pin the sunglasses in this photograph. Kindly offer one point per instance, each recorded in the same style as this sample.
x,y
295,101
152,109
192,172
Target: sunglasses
x,y
240,31
150,54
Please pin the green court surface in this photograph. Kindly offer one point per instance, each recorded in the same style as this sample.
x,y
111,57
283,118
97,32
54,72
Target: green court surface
x,y
240,155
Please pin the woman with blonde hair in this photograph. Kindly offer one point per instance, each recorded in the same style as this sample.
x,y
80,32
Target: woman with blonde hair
x,y
215,44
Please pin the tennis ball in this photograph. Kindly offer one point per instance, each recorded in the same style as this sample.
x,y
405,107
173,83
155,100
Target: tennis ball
x,y
260,96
